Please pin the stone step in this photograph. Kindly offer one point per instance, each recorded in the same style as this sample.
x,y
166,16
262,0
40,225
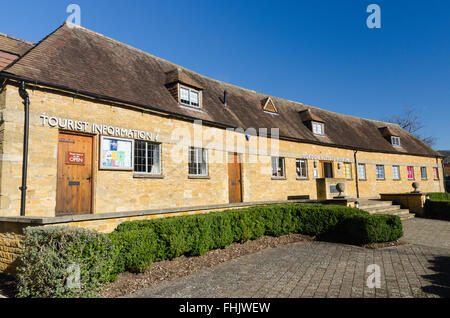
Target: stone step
x,y
407,216
373,204
398,212
381,208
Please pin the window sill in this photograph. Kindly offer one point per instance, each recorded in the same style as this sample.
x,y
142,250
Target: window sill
x,y
278,178
199,177
396,179
302,179
362,179
381,179
147,176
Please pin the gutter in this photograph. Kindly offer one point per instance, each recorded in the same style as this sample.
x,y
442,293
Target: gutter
x,y
190,118
26,129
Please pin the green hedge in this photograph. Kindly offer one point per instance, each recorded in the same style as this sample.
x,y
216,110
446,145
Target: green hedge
x,y
437,209
51,255
439,196
195,235
438,206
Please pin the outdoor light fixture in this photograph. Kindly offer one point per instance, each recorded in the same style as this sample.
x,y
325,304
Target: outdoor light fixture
x,y
357,204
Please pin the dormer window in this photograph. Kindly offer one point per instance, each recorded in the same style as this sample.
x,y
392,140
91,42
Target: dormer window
x,y
313,122
317,128
189,96
395,141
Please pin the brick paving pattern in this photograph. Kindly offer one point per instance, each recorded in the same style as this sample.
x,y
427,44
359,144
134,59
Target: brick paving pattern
x,y
419,268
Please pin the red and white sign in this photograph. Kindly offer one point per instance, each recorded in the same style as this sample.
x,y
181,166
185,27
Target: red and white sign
x,y
75,158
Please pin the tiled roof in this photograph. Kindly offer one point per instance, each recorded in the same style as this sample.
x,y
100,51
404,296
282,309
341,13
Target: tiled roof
x,y
85,61
11,49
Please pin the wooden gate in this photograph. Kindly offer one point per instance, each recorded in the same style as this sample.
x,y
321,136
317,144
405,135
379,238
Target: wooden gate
x,y
75,176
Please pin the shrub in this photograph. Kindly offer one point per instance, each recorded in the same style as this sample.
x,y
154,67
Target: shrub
x,y
374,228
136,250
437,209
439,196
48,258
194,235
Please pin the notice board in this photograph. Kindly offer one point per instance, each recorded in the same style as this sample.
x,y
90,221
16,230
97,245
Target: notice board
x,y
116,153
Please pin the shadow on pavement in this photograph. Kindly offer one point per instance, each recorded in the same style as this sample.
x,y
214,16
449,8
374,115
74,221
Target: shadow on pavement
x,y
441,279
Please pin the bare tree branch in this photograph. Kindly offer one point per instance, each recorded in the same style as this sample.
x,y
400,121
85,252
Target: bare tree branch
x,y
411,122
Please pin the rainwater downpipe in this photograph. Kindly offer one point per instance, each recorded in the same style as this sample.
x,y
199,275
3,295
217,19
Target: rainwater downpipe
x,y
26,102
356,174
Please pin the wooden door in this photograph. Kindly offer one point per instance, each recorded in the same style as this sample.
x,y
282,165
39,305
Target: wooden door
x,y
74,187
327,169
234,178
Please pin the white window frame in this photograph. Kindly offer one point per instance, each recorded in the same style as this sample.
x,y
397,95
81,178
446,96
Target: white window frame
x,y
197,162
277,166
189,102
422,176
349,165
299,168
146,157
376,171
315,130
363,166
395,141
396,168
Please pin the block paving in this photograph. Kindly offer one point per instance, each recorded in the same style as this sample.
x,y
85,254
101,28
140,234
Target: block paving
x,y
418,268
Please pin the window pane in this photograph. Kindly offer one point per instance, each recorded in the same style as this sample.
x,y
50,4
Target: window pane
x,y
274,166
423,172
301,168
348,170
184,95
362,171
198,161
194,98
410,172
396,172
380,172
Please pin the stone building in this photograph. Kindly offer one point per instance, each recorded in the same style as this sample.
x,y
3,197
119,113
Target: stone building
x,y
116,134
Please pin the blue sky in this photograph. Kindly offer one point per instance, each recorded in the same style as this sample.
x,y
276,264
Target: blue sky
x,y
317,52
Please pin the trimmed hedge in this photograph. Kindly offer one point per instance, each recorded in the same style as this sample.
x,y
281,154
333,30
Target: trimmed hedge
x,y
439,196
48,258
435,209
197,234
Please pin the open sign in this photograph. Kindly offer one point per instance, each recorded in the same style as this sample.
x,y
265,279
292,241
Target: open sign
x,y
75,158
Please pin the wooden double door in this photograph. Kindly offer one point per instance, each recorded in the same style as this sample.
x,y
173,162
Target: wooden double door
x,y
234,178
75,174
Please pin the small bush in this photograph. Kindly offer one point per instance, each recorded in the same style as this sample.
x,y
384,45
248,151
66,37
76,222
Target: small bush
x,y
195,235
50,255
137,250
374,228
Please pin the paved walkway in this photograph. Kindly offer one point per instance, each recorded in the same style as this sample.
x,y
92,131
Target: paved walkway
x,y
419,268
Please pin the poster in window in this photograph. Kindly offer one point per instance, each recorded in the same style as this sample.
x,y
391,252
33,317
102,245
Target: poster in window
x,y
116,153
